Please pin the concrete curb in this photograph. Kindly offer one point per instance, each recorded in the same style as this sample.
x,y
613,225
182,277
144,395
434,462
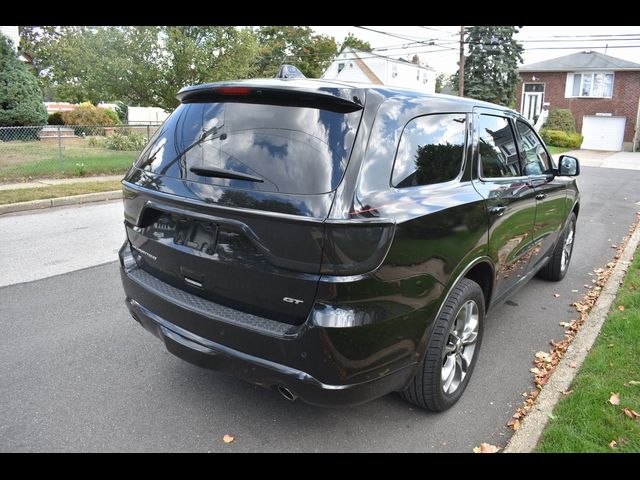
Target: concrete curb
x,y
60,201
527,436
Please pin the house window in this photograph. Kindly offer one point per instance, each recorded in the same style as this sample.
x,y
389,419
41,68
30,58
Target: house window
x,y
592,85
340,67
394,70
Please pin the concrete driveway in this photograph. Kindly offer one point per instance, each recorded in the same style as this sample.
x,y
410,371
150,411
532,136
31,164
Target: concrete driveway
x,y
78,374
596,158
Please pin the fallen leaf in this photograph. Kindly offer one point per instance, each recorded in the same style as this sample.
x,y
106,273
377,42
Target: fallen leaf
x,y
556,295
486,448
544,356
514,424
228,439
614,399
567,392
610,345
613,444
621,308
632,414
572,365
551,416
634,382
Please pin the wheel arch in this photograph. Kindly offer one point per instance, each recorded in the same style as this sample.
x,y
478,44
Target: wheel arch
x,y
478,268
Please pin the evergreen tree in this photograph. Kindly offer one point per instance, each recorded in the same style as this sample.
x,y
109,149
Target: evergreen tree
x,y
20,97
491,68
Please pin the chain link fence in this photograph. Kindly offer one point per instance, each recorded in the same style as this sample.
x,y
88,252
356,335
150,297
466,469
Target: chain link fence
x,y
61,151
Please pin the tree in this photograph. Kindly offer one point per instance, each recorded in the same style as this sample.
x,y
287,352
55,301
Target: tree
x,y
299,46
142,65
356,43
20,97
491,68
441,80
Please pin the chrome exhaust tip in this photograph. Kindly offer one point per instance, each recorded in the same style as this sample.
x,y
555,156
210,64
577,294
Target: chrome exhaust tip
x,y
286,393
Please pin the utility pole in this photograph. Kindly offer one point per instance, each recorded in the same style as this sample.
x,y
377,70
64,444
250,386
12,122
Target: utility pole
x,y
461,64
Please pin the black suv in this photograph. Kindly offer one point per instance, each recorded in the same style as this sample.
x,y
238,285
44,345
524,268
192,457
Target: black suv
x,y
339,241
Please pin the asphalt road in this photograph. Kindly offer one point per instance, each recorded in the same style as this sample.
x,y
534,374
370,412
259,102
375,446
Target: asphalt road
x,y
78,374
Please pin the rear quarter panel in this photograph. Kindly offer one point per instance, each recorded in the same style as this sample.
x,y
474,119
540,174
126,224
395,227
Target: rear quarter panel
x,y
440,230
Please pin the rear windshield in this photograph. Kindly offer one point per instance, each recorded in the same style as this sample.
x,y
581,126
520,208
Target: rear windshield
x,y
290,149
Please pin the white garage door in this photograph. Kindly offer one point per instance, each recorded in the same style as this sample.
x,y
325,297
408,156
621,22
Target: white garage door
x,y
603,133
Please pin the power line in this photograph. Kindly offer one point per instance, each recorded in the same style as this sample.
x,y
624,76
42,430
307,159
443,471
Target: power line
x,y
583,47
449,34
388,33
600,35
427,41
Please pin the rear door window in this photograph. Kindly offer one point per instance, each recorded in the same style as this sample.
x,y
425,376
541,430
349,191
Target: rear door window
x,y
431,150
291,149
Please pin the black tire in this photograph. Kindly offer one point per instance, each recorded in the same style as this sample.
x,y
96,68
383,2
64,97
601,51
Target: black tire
x,y
427,388
555,269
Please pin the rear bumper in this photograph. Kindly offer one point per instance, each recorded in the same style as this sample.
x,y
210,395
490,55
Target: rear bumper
x,y
308,361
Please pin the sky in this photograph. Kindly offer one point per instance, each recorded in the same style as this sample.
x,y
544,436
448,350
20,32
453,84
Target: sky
x,y
537,41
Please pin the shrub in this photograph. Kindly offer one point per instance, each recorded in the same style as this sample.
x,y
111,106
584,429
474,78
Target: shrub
x,y
125,141
96,141
561,119
21,101
87,114
123,111
113,115
558,138
81,169
55,119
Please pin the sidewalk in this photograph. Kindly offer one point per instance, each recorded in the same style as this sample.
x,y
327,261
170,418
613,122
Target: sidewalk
x,y
595,158
57,181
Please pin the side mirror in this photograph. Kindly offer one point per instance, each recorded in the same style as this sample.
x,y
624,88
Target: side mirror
x,y
569,166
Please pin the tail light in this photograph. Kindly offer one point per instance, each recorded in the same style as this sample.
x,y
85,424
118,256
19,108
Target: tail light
x,y
354,247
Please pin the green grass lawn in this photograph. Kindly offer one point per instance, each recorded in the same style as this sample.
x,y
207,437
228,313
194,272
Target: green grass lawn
x,y
558,150
55,191
585,421
20,161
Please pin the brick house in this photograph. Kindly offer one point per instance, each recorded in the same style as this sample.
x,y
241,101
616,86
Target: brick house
x,y
602,92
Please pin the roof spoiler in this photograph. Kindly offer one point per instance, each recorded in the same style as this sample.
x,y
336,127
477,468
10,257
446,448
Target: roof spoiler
x,y
336,100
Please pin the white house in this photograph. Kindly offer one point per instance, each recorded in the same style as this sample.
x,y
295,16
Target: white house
x,y
12,33
144,115
53,107
359,66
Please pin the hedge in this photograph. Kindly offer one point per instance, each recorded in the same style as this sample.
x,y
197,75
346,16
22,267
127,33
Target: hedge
x,y
558,138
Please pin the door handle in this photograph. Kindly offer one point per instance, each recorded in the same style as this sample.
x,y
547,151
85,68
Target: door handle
x,y
541,196
499,211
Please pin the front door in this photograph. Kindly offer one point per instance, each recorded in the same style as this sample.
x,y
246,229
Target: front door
x,y
510,200
550,193
532,98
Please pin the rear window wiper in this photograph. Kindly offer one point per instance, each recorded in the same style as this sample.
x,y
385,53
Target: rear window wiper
x,y
222,173
207,133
